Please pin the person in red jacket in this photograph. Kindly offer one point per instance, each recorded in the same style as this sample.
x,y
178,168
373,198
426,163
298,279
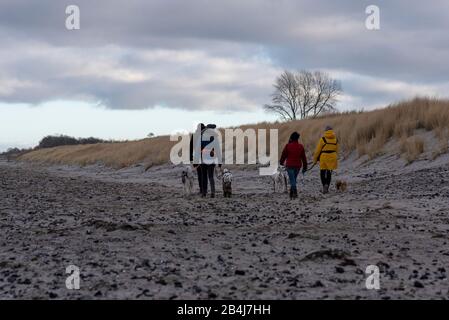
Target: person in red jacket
x,y
294,157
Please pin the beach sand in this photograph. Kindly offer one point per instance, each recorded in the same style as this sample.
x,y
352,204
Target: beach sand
x,y
134,235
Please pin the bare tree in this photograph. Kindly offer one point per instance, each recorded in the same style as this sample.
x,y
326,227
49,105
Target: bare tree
x,y
303,94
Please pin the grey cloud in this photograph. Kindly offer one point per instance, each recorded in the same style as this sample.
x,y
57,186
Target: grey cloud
x,y
269,35
124,78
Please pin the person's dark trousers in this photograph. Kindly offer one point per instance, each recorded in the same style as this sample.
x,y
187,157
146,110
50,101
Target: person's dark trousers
x,y
203,174
293,176
207,173
326,177
210,175
199,174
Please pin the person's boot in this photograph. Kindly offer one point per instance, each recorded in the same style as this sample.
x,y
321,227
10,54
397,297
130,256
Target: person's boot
x,y
291,193
295,194
326,189
212,195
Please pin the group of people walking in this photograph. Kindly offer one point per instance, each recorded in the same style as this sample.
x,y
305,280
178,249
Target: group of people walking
x,y
293,157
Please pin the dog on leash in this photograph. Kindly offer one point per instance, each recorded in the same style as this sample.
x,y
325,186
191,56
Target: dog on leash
x,y
226,178
280,178
341,185
187,180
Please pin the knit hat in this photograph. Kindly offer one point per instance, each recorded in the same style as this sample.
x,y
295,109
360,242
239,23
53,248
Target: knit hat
x,y
328,128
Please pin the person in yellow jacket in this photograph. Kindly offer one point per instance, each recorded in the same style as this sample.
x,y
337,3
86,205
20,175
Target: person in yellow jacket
x,y
327,154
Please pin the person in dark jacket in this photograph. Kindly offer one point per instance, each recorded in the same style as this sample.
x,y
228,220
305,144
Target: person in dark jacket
x,y
208,169
294,157
198,166
205,171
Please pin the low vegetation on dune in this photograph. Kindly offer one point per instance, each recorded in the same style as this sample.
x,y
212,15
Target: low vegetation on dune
x,y
362,133
116,154
63,140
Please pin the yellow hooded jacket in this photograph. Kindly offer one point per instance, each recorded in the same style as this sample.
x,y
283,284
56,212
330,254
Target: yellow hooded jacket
x,y
327,151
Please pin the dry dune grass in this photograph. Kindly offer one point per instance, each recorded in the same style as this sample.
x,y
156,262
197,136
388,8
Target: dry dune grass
x,y
411,148
117,155
363,132
369,132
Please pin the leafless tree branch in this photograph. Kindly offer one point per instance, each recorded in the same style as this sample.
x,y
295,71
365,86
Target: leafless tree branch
x,y
303,94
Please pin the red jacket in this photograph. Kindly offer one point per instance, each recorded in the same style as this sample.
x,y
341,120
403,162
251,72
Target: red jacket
x,y
294,156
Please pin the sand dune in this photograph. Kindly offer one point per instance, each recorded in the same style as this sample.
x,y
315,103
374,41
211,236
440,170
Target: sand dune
x,y
363,133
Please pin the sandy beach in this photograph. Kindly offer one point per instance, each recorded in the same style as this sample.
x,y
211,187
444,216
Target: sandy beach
x,y
134,235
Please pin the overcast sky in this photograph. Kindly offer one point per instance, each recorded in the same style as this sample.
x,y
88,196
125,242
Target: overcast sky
x,y
136,67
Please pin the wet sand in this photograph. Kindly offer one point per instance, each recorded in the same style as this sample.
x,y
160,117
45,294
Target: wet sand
x,y
135,236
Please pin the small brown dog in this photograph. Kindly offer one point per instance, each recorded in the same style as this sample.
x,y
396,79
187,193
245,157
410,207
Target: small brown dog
x,y
341,185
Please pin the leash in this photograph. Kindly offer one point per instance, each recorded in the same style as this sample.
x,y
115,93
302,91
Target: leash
x,y
311,167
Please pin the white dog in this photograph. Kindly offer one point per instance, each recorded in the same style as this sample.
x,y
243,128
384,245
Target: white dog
x,y
227,183
187,180
280,178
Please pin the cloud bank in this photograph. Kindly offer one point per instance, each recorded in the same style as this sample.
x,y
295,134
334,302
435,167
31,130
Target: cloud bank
x,y
218,55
